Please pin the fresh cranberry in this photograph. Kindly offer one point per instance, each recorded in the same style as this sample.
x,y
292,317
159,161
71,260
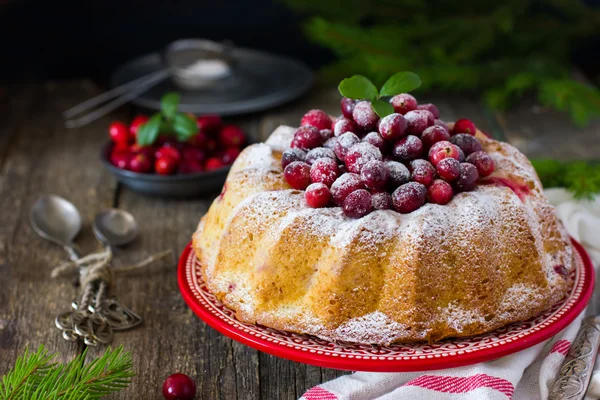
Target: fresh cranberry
x,y
444,149
432,108
190,167
343,143
140,163
198,140
211,145
376,140
422,171
120,159
326,134
381,201
213,163
364,116
347,106
482,161
118,132
317,195
399,174
165,165
319,152
317,118
343,125
291,155
403,103
344,185
229,155
231,136
194,153
330,143
467,179
440,192
359,154
448,169
135,124
464,126
408,149
297,175
417,121
441,123
210,124
168,152
179,387
121,147
467,143
324,170
148,151
409,197
307,137
358,204
434,134
375,175
393,127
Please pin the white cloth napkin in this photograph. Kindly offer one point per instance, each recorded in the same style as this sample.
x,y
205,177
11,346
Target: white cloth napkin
x,y
528,374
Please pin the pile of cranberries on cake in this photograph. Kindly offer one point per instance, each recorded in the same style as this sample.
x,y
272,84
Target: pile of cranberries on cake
x,y
214,146
362,163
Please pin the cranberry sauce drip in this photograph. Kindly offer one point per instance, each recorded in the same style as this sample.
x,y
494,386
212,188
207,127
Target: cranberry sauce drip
x,y
520,190
362,163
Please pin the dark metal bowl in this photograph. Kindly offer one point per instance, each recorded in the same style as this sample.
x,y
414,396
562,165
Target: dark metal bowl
x,y
179,186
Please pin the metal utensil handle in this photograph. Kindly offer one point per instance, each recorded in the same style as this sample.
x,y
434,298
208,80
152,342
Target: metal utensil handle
x,y
575,373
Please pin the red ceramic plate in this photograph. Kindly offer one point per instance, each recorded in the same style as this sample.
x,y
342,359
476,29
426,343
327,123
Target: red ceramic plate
x,y
395,358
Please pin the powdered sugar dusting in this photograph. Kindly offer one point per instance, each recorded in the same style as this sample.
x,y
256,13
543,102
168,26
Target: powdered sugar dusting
x,y
281,138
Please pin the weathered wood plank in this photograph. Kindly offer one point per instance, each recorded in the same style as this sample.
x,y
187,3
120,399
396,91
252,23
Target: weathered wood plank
x,y
44,158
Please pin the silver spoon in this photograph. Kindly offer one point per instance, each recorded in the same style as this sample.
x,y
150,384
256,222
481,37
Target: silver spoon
x,y
115,227
58,221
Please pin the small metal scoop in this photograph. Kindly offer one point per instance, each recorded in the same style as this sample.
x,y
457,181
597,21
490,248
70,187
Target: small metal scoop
x,y
115,227
58,221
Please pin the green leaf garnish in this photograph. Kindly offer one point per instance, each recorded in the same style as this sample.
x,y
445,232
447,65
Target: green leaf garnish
x,y
358,87
169,103
184,126
382,108
148,132
401,82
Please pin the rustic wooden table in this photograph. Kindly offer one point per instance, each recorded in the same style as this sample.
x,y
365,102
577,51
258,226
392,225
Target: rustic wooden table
x,y
39,156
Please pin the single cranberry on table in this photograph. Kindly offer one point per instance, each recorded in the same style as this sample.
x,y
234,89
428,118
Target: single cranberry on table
x,y
343,143
364,116
140,163
317,118
467,179
359,154
432,108
324,170
317,195
464,126
376,140
417,121
467,143
179,387
409,197
403,103
307,137
442,150
434,134
408,149
297,175
119,132
135,124
347,106
399,174
393,127
448,169
344,185
319,152
343,125
213,163
381,201
358,204
230,154
209,124
231,136
375,175
440,192
482,161
422,171
291,155
166,165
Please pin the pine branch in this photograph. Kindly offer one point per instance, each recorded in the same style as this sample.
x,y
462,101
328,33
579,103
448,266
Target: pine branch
x,y
34,377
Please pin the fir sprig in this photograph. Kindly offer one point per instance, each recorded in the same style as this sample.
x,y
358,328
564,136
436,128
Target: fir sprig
x,y
580,178
36,377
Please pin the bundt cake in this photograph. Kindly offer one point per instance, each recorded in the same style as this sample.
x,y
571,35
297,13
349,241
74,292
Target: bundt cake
x,y
388,259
